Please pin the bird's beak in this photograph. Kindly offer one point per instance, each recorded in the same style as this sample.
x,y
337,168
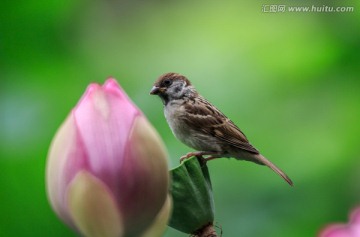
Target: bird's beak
x,y
156,90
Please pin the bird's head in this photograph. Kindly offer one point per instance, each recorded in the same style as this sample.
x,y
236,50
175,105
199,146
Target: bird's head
x,y
171,86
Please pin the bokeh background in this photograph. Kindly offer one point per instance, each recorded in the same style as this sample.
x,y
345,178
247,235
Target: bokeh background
x,y
289,80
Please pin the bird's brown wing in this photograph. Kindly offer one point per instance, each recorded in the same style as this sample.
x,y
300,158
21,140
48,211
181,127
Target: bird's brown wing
x,y
206,118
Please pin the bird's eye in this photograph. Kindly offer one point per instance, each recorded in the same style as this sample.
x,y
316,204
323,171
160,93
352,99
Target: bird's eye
x,y
167,82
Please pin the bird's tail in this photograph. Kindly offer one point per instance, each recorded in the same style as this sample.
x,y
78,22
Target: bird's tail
x,y
262,160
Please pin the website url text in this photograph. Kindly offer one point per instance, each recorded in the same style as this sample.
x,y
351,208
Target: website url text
x,y
285,8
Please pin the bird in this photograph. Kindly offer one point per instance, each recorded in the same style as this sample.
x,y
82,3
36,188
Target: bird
x,y
200,125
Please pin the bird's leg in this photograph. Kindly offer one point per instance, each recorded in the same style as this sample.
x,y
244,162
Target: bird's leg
x,y
212,157
200,154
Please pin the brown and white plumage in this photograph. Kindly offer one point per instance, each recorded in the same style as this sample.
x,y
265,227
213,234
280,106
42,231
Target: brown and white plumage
x,y
200,125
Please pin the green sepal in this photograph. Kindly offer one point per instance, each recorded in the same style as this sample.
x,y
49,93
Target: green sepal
x,y
193,203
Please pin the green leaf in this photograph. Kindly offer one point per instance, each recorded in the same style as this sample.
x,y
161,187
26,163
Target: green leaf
x,y
193,203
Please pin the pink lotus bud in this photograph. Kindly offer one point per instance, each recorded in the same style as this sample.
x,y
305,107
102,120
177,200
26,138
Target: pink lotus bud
x,y
352,229
107,171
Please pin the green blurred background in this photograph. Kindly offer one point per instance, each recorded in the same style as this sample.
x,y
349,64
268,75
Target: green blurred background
x,y
289,80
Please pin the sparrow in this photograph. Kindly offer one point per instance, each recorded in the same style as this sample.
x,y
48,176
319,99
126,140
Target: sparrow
x,y
200,125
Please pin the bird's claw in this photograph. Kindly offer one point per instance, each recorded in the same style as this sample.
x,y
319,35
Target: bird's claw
x,y
190,154
200,155
183,158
